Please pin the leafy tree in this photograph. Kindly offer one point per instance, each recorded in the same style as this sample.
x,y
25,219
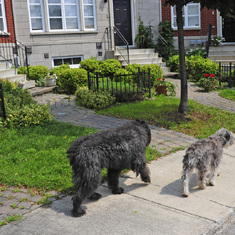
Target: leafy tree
x,y
226,8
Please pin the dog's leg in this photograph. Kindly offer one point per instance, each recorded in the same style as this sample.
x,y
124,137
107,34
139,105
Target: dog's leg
x,y
94,196
145,175
185,182
202,178
113,181
214,172
77,201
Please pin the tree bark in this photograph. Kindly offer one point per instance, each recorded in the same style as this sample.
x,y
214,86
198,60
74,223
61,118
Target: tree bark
x,y
183,107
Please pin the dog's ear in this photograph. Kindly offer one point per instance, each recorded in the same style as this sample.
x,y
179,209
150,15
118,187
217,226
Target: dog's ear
x,y
141,121
227,136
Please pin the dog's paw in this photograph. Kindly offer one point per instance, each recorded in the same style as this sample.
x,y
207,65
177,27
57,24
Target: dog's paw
x,y
185,194
146,179
212,183
118,191
94,196
78,213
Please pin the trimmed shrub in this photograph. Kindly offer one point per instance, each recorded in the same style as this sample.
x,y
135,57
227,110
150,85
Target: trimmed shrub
x,y
59,70
125,78
35,72
94,100
71,79
156,72
7,85
110,66
90,65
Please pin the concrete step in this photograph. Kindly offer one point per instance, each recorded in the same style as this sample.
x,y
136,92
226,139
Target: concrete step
x,y
4,65
16,78
145,61
138,56
221,57
29,84
5,73
133,51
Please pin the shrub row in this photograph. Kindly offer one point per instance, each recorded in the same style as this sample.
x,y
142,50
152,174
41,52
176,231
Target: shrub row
x,y
196,66
21,109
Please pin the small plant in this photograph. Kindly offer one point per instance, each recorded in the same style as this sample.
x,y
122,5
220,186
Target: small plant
x,y
25,199
208,82
164,87
14,206
216,41
16,190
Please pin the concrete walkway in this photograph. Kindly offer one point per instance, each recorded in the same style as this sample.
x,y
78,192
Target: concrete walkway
x,y
157,208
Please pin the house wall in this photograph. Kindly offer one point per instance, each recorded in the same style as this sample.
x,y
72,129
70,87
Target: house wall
x,y
60,44
207,17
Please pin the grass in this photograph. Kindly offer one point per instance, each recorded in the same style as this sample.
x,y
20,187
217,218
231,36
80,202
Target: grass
x,y
228,94
35,157
10,219
200,122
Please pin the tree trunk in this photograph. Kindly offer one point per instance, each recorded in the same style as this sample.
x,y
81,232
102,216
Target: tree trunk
x,y
183,108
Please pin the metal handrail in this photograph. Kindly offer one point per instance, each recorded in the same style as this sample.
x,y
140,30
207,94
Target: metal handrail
x,y
13,51
208,42
117,31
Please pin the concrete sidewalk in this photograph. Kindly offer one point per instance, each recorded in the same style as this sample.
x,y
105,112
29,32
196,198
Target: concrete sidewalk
x,y
155,208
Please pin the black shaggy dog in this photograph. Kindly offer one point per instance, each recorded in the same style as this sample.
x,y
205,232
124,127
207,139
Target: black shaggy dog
x,y
115,149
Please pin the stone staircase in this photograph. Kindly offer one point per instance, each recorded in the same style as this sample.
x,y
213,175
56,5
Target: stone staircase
x,y
141,57
12,75
224,54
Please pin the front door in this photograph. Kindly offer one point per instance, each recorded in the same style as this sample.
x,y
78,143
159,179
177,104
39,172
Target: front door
x,y
228,28
122,20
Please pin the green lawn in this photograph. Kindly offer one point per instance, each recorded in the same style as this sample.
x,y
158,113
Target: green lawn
x,y
228,94
201,121
35,157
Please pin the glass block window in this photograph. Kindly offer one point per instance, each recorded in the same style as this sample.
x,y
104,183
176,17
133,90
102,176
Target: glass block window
x,y
191,16
89,14
36,15
63,14
73,62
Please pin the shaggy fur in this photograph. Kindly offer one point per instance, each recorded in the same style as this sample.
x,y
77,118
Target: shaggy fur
x,y
203,155
115,149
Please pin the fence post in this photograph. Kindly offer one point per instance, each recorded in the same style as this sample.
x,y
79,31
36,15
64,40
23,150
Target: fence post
x,y
149,82
230,77
89,80
220,74
2,103
97,81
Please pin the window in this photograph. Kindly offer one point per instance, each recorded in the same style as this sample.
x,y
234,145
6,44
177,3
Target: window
x,y
63,14
89,14
191,16
3,24
36,15
73,62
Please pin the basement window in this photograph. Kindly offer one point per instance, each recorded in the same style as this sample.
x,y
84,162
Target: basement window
x,y
73,62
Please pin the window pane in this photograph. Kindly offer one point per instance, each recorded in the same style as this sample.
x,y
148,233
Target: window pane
x,y
68,61
54,10
87,1
71,23
1,24
54,1
88,10
70,1
193,10
76,60
36,24
193,21
0,9
70,11
58,62
89,23
35,11
34,1
56,23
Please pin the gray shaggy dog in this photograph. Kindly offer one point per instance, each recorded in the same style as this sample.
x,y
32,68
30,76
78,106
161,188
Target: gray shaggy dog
x,y
115,149
203,155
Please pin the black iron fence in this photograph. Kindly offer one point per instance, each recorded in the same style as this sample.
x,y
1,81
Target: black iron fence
x,y
227,74
123,86
2,107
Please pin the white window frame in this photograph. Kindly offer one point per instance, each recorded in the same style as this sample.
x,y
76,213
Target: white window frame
x,y
68,57
91,17
63,4
3,16
185,16
42,16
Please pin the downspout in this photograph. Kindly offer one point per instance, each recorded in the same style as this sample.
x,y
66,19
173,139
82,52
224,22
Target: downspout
x,y
111,21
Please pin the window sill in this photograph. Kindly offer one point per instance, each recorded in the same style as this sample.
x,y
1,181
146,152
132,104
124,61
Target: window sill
x,y
63,32
185,29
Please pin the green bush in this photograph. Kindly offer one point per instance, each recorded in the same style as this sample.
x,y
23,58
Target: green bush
x,y
196,66
156,72
32,114
90,65
122,75
7,85
35,72
166,31
110,66
94,100
59,70
71,79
